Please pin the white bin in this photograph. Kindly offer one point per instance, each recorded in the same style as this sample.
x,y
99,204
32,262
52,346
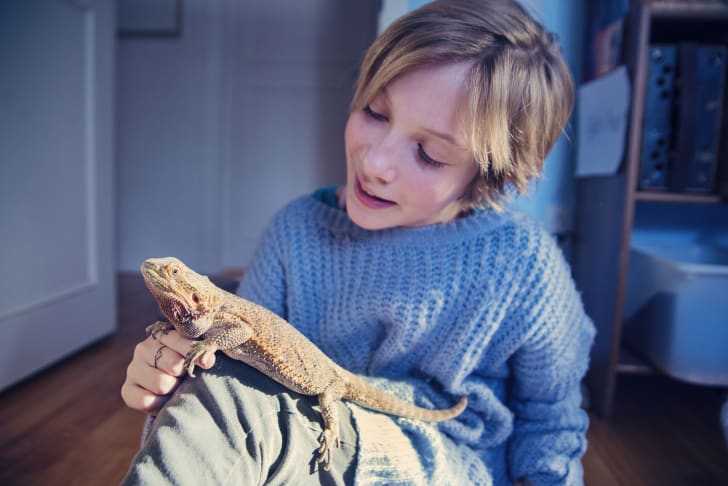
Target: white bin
x,y
676,310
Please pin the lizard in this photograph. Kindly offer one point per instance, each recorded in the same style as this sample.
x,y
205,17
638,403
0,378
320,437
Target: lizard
x,y
219,320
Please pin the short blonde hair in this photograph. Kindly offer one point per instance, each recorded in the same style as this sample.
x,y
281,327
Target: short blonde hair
x,y
520,92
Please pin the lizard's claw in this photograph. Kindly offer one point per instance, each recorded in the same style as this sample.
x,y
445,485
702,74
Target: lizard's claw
x,y
328,437
157,327
198,349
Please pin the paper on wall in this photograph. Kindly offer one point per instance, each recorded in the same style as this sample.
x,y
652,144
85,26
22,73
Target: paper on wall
x,y
603,111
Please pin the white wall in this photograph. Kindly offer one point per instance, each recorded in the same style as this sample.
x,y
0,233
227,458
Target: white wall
x,y
221,126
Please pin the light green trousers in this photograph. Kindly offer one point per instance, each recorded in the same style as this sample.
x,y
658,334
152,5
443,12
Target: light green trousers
x,y
232,425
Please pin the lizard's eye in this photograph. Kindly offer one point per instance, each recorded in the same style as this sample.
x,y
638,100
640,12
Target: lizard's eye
x,y
175,271
195,299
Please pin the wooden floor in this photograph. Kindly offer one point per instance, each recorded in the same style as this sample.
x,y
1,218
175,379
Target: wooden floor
x,y
68,424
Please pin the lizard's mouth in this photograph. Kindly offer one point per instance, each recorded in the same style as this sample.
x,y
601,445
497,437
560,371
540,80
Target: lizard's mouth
x,y
150,272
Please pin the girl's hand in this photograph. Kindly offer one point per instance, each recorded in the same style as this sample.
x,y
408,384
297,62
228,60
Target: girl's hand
x,y
341,196
156,369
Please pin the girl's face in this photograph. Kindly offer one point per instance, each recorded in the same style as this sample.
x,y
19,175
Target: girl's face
x,y
407,157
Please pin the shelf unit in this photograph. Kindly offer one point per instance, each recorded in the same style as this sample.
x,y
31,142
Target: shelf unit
x,y
606,205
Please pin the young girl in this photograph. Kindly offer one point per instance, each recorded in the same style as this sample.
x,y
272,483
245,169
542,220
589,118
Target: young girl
x,y
411,274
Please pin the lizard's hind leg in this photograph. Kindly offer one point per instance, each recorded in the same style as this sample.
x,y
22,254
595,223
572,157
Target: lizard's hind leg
x,y
330,434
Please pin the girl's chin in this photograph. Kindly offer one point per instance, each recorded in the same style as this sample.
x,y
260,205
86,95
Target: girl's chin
x,y
364,219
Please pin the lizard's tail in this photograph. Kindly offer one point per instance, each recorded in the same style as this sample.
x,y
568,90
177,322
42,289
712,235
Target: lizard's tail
x,y
369,396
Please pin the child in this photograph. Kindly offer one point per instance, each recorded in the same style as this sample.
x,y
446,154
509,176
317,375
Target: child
x,y
412,274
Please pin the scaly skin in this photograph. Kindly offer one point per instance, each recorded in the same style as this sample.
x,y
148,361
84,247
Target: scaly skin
x,y
245,331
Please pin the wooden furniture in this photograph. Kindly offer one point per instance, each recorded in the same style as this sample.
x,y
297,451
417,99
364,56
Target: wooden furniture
x,y
606,205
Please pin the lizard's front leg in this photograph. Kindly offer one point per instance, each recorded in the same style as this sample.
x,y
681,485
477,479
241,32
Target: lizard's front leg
x,y
330,434
157,327
225,336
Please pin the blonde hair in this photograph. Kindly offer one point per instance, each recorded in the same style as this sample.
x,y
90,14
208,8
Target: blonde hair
x,y
520,92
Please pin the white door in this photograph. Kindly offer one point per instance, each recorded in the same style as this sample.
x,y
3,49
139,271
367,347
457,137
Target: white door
x,y
57,289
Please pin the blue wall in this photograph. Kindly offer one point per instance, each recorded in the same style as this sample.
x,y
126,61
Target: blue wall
x,y
551,199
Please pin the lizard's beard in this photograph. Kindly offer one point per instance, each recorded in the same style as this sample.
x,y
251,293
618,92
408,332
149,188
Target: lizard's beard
x,y
178,314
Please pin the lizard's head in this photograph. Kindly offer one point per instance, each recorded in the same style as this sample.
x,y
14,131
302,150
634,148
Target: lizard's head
x,y
181,293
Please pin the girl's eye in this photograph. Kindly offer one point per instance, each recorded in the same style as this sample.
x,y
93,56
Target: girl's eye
x,y
373,114
426,158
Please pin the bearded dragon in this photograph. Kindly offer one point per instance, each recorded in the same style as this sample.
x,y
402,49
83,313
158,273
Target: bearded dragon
x,y
245,331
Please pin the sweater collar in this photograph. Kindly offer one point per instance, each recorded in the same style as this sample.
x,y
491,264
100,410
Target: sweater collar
x,y
476,224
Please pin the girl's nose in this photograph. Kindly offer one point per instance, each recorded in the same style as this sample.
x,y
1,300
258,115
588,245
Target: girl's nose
x,y
380,162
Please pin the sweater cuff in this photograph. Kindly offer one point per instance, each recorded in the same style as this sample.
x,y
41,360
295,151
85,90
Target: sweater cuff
x,y
574,477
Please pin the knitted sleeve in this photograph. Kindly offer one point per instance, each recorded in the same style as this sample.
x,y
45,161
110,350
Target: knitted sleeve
x,y
549,435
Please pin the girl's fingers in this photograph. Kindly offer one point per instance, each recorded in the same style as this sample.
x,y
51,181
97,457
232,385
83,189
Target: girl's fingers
x,y
142,400
153,380
168,352
156,369
157,354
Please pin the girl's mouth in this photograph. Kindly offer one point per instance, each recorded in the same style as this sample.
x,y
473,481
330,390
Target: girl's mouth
x,y
370,200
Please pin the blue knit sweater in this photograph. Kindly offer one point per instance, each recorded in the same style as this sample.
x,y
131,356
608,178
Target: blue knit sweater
x,y
482,306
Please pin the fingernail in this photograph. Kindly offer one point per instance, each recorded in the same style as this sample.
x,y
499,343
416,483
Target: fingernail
x,y
208,360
